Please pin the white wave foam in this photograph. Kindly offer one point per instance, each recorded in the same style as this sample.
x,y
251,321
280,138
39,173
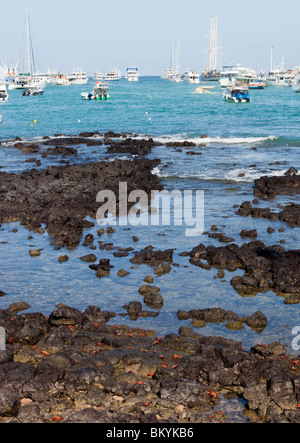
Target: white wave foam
x,y
236,175
249,175
216,140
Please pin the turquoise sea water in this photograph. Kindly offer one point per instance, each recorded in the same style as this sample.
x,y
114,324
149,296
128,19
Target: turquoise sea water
x,y
245,142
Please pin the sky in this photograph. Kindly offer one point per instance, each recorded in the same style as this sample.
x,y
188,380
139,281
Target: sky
x,y
97,36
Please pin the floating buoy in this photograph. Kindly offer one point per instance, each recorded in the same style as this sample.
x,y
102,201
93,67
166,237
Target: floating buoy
x,y
146,113
34,121
78,121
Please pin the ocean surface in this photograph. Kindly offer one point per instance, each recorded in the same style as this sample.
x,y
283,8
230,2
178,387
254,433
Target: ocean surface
x,y
245,142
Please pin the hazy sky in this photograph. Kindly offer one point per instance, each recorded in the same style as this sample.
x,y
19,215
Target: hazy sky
x,y
98,35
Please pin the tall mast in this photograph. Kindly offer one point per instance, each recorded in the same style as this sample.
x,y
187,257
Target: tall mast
x,y
272,59
172,55
30,56
210,52
213,44
28,41
178,56
216,42
282,62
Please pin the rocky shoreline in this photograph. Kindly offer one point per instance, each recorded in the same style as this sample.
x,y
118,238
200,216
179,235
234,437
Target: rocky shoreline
x,y
73,366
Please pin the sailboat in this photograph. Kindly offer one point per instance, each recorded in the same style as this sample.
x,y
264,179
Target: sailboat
x,y
31,81
172,73
212,73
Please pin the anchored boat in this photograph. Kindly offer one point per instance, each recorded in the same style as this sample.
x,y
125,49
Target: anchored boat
x,y
296,84
3,92
132,74
192,77
113,75
100,92
237,94
251,83
33,91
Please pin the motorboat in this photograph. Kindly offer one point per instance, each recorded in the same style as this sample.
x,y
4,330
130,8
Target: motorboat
x,y
132,74
113,75
19,82
278,78
100,92
237,94
77,77
191,76
296,84
228,76
59,80
98,76
211,76
231,72
3,91
251,83
171,74
33,91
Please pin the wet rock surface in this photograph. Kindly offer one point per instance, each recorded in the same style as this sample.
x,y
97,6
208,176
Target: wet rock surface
x,y
290,213
132,146
258,321
62,197
149,256
73,367
266,268
288,184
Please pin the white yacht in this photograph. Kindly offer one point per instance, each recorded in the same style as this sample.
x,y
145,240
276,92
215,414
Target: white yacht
x,y
38,80
19,82
3,91
78,77
251,83
132,74
172,75
191,76
296,84
278,78
231,72
113,75
59,80
98,76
